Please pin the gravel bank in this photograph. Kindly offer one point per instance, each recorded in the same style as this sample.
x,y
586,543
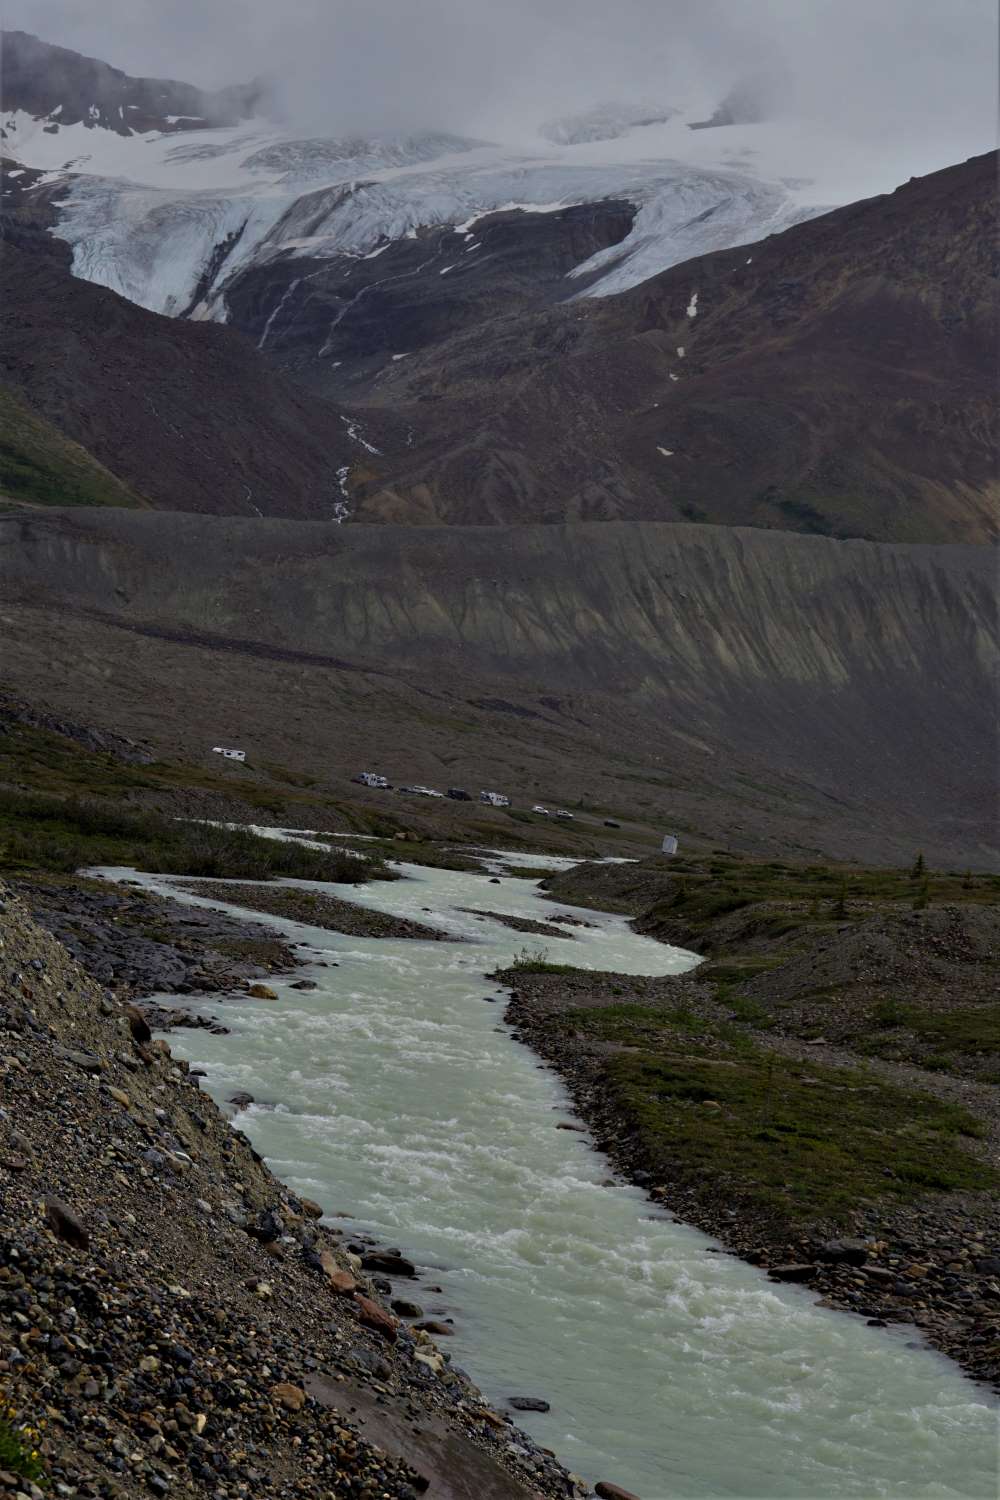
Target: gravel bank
x,y
316,909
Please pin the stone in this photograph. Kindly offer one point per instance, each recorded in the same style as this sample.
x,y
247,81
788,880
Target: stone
x,y
119,1096
291,1397
88,1061
261,992
137,1024
608,1491
65,1224
375,1317
310,1209
571,1125
241,1100
341,1281
304,984
791,1272
842,1252
529,1403
434,1362
439,1330
389,1263
916,1272
267,1227
989,1265
406,1309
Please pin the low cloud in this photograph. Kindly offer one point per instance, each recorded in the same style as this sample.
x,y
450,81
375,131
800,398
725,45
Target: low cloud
x,y
876,74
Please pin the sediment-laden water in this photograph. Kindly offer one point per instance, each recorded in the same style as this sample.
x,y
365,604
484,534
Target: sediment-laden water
x,y
393,1093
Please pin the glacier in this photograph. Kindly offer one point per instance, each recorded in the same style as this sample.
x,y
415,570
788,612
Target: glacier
x,y
169,220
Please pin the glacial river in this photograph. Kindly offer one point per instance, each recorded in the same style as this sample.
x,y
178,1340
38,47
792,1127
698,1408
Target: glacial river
x,y
394,1093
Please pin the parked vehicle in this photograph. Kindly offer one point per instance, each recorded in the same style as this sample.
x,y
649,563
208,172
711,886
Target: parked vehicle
x,y
610,823
413,791
495,799
427,791
229,754
538,808
669,845
372,778
562,813
457,795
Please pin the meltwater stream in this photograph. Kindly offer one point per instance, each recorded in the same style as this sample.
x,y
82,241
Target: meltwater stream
x,y
393,1093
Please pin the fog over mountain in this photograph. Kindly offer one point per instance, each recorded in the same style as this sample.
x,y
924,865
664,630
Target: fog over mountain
x,y
912,76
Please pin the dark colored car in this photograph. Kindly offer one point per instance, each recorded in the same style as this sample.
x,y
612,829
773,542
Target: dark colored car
x,y
610,823
457,795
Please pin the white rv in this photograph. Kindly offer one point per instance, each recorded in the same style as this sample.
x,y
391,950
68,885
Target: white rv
x,y
372,778
495,799
229,754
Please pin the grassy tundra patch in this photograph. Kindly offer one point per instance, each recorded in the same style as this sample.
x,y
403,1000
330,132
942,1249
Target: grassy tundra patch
x,y
40,466
795,1140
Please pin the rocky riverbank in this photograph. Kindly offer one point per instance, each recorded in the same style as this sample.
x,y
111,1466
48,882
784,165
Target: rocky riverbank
x,y
173,1319
141,943
743,1136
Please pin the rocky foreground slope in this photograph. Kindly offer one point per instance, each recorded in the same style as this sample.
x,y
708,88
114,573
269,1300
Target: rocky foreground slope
x,y
172,1320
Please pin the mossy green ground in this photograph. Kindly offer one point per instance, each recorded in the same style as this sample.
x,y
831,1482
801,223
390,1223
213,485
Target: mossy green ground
x,y
42,467
40,832
796,1140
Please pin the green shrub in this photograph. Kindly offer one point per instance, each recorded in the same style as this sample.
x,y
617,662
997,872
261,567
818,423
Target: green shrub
x,y
63,834
18,1451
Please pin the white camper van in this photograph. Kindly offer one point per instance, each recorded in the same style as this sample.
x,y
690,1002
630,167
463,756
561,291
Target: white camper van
x,y
229,754
495,799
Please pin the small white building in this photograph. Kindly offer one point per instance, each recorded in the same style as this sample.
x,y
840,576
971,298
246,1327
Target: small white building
x,y
669,845
229,754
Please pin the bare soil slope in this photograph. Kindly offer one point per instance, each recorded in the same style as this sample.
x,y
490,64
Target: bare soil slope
x,y
761,690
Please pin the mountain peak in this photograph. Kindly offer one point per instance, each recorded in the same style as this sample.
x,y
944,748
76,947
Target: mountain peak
x,y
67,88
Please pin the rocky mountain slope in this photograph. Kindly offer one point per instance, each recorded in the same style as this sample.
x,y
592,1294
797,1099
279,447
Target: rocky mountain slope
x,y
836,378
760,690
184,416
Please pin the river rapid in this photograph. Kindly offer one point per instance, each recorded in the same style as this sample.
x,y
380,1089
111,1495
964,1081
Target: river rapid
x,y
394,1094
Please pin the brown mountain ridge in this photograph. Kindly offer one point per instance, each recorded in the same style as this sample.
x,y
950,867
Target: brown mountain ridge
x,y
835,378
188,416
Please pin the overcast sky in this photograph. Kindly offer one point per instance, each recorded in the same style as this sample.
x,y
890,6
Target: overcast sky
x,y
878,71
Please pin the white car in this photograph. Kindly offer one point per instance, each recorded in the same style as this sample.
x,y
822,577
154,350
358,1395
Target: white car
x,y
427,791
538,808
562,813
